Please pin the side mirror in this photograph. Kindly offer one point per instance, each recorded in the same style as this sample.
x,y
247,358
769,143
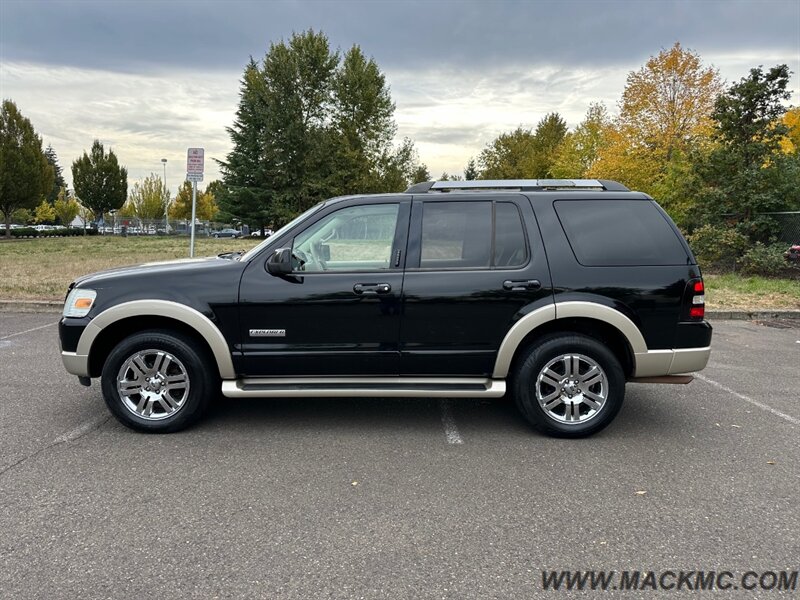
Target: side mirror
x,y
280,263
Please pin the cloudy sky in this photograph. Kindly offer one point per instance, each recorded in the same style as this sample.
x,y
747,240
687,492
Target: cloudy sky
x,y
150,78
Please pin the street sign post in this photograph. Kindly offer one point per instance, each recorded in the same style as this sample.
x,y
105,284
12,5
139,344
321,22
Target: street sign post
x,y
195,164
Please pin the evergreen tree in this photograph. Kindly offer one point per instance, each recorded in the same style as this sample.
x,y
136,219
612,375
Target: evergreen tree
x,y
246,190
309,125
470,171
100,182
59,182
25,175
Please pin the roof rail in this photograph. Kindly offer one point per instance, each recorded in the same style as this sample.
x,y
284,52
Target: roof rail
x,y
525,185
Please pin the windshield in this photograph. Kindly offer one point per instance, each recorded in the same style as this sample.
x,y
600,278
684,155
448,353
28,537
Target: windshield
x,y
271,239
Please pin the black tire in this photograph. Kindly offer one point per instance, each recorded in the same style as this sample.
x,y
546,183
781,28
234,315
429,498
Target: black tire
x,y
185,362
587,353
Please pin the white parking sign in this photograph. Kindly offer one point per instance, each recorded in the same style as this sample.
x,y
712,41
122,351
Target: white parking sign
x,y
195,158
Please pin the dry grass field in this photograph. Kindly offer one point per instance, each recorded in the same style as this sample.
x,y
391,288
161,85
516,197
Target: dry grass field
x,y
41,269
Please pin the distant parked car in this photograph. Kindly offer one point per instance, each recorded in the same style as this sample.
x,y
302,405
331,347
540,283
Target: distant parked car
x,y
257,233
231,233
792,255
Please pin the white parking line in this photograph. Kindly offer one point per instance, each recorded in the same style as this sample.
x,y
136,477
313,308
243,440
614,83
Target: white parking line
x,y
450,429
5,337
756,403
81,430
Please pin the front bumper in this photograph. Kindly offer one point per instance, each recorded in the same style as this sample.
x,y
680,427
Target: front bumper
x,y
76,364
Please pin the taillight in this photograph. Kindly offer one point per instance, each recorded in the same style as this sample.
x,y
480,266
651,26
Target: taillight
x,y
696,299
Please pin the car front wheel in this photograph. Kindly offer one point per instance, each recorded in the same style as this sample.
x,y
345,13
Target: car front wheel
x,y
569,385
155,381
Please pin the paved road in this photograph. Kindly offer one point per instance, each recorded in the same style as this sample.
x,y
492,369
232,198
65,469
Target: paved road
x,y
377,499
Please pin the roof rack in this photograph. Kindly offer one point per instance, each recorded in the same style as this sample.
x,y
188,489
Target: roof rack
x,y
523,185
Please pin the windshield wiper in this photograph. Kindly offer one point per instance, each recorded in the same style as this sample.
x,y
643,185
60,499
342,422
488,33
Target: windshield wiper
x,y
231,255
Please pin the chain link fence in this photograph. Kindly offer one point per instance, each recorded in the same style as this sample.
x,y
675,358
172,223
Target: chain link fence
x,y
787,226
133,226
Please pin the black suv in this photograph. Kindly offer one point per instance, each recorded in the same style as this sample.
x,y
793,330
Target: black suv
x,y
554,291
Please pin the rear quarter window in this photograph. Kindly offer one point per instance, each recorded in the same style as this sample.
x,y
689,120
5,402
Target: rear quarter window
x,y
619,233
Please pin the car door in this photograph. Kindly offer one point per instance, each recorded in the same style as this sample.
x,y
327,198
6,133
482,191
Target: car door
x,y
338,312
474,263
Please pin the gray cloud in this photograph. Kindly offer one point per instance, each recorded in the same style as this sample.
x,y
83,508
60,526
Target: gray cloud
x,y
142,36
153,78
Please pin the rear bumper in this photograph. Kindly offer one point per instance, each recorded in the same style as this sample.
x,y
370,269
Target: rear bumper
x,y
655,363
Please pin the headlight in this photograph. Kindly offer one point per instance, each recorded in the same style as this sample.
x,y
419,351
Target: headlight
x,y
79,302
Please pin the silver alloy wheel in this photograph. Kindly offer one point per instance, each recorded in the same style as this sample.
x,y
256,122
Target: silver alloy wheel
x,y
572,388
153,384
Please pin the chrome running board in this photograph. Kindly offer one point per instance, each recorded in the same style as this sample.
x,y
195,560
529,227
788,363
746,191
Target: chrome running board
x,y
387,387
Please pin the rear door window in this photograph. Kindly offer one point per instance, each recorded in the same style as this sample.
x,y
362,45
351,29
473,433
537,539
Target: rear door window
x,y
619,233
461,235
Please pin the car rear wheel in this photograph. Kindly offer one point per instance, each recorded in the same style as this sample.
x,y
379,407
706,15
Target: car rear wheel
x,y
569,385
155,381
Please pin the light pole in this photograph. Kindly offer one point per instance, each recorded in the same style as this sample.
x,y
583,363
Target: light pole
x,y
166,199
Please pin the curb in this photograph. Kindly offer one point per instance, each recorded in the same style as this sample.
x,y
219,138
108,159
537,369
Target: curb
x,y
752,315
31,306
51,306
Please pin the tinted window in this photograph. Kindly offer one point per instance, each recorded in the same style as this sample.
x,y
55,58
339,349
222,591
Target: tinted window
x,y
456,235
509,242
619,232
459,235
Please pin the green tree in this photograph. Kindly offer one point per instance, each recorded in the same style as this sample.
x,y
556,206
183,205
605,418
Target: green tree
x,y
100,183
746,172
22,216
25,174
310,124
509,156
297,93
65,207
420,174
581,148
246,190
362,124
44,213
470,171
150,198
58,181
547,138
280,156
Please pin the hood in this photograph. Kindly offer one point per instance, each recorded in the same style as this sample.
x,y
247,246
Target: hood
x,y
154,268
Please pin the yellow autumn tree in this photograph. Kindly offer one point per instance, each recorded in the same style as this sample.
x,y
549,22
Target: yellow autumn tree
x,y
182,207
44,213
791,142
665,110
65,207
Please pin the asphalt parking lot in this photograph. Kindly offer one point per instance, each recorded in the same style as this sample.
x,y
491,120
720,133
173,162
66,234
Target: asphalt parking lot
x,y
394,498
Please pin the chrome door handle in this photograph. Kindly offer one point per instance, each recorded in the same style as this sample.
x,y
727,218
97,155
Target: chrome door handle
x,y
520,286
372,288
